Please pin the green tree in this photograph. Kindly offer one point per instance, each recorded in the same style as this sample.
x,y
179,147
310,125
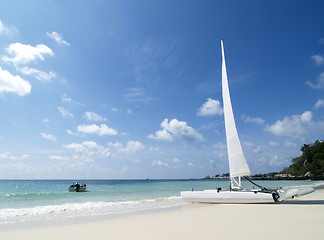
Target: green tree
x,y
311,160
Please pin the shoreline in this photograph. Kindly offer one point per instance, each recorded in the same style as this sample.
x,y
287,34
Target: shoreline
x,y
301,218
277,178
83,219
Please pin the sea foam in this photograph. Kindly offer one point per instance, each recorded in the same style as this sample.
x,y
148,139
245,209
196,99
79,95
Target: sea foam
x,y
11,215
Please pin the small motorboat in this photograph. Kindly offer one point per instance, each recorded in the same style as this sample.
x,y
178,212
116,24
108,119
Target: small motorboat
x,y
78,187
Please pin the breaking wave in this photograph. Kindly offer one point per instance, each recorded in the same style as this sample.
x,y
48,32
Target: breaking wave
x,y
11,215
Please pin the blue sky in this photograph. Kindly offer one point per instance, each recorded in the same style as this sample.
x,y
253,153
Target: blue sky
x,y
132,89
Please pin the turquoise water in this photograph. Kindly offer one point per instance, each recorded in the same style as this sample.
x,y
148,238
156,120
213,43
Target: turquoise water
x,y
26,200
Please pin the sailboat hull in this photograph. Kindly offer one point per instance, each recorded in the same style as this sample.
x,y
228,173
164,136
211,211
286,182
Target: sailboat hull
x,y
226,196
245,196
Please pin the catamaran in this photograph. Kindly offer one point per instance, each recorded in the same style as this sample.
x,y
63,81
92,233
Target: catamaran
x,y
238,166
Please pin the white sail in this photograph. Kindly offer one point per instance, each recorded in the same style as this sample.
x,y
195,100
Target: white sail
x,y
239,168
237,163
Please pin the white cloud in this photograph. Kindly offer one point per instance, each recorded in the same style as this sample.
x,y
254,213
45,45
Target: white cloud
x,y
75,146
24,54
257,149
256,120
178,129
91,116
306,116
319,84
273,144
14,84
134,92
101,130
319,104
9,156
154,149
133,146
87,151
48,136
116,145
181,129
296,126
137,95
276,161
290,126
39,75
58,158
210,108
318,59
58,37
290,144
159,163
90,144
66,99
5,30
46,122
2,27
190,164
162,135
17,169
64,112
176,160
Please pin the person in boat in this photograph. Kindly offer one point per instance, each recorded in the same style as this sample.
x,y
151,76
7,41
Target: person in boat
x,y
77,187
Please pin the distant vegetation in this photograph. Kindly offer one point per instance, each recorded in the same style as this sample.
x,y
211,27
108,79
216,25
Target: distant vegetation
x,y
310,163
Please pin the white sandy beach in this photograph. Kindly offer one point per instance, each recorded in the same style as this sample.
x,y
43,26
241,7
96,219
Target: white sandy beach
x,y
302,218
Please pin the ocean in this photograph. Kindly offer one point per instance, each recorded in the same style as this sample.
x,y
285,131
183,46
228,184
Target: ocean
x,y
39,200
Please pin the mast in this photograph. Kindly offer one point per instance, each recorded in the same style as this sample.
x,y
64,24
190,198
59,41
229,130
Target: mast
x,y
237,163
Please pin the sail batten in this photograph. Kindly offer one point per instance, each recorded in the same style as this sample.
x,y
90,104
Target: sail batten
x,y
237,162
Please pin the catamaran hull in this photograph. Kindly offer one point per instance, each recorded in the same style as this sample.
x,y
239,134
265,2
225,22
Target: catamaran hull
x,y
244,196
291,193
215,196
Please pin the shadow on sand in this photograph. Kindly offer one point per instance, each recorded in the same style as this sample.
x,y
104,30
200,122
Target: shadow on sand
x,y
302,202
